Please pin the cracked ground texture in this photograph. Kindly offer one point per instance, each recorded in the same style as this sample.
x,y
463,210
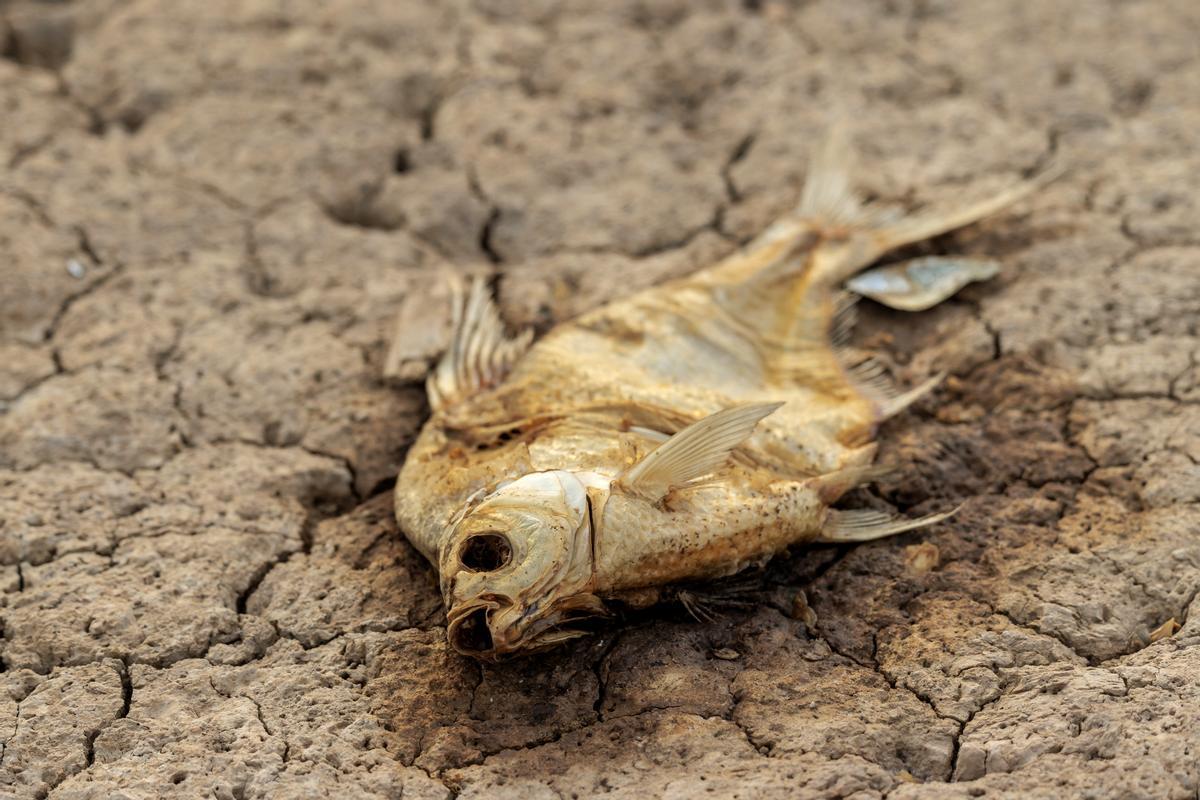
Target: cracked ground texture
x,y
212,213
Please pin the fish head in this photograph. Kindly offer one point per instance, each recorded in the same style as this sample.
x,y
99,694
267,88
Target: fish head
x,y
516,567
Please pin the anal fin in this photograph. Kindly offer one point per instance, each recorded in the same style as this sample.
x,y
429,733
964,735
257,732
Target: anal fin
x,y
897,403
863,525
870,378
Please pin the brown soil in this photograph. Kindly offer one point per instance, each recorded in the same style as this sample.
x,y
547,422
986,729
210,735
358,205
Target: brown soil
x,y
211,213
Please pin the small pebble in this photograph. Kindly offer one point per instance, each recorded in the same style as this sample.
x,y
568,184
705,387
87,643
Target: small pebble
x,y
76,269
727,654
802,612
249,511
921,558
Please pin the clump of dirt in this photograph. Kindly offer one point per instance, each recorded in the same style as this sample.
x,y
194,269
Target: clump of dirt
x,y
211,216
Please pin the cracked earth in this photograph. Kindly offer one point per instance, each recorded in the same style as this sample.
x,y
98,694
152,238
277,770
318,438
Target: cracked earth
x,y
212,216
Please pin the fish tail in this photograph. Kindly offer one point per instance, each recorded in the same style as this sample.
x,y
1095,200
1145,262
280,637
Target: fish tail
x,y
830,205
788,280
829,200
935,222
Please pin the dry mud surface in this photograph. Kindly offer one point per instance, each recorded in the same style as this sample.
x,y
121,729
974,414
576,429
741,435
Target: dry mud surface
x,y
212,212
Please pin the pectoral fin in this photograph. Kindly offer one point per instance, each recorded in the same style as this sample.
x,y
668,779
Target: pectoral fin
x,y
480,353
694,452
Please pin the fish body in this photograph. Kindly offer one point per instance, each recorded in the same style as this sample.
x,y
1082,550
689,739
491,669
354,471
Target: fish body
x,y
684,433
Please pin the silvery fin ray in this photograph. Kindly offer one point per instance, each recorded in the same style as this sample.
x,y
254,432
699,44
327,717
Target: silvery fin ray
x,y
921,283
678,435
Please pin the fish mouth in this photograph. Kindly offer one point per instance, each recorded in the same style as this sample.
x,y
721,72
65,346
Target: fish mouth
x,y
476,630
471,636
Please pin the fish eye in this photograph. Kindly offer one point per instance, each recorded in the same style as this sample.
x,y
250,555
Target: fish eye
x,y
485,552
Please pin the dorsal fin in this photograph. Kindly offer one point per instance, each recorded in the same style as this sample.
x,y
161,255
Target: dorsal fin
x,y
694,452
480,354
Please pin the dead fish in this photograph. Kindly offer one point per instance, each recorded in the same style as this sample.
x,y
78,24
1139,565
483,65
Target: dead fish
x,y
684,433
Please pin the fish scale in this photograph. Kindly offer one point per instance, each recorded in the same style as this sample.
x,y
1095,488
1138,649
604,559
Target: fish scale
x,y
684,433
